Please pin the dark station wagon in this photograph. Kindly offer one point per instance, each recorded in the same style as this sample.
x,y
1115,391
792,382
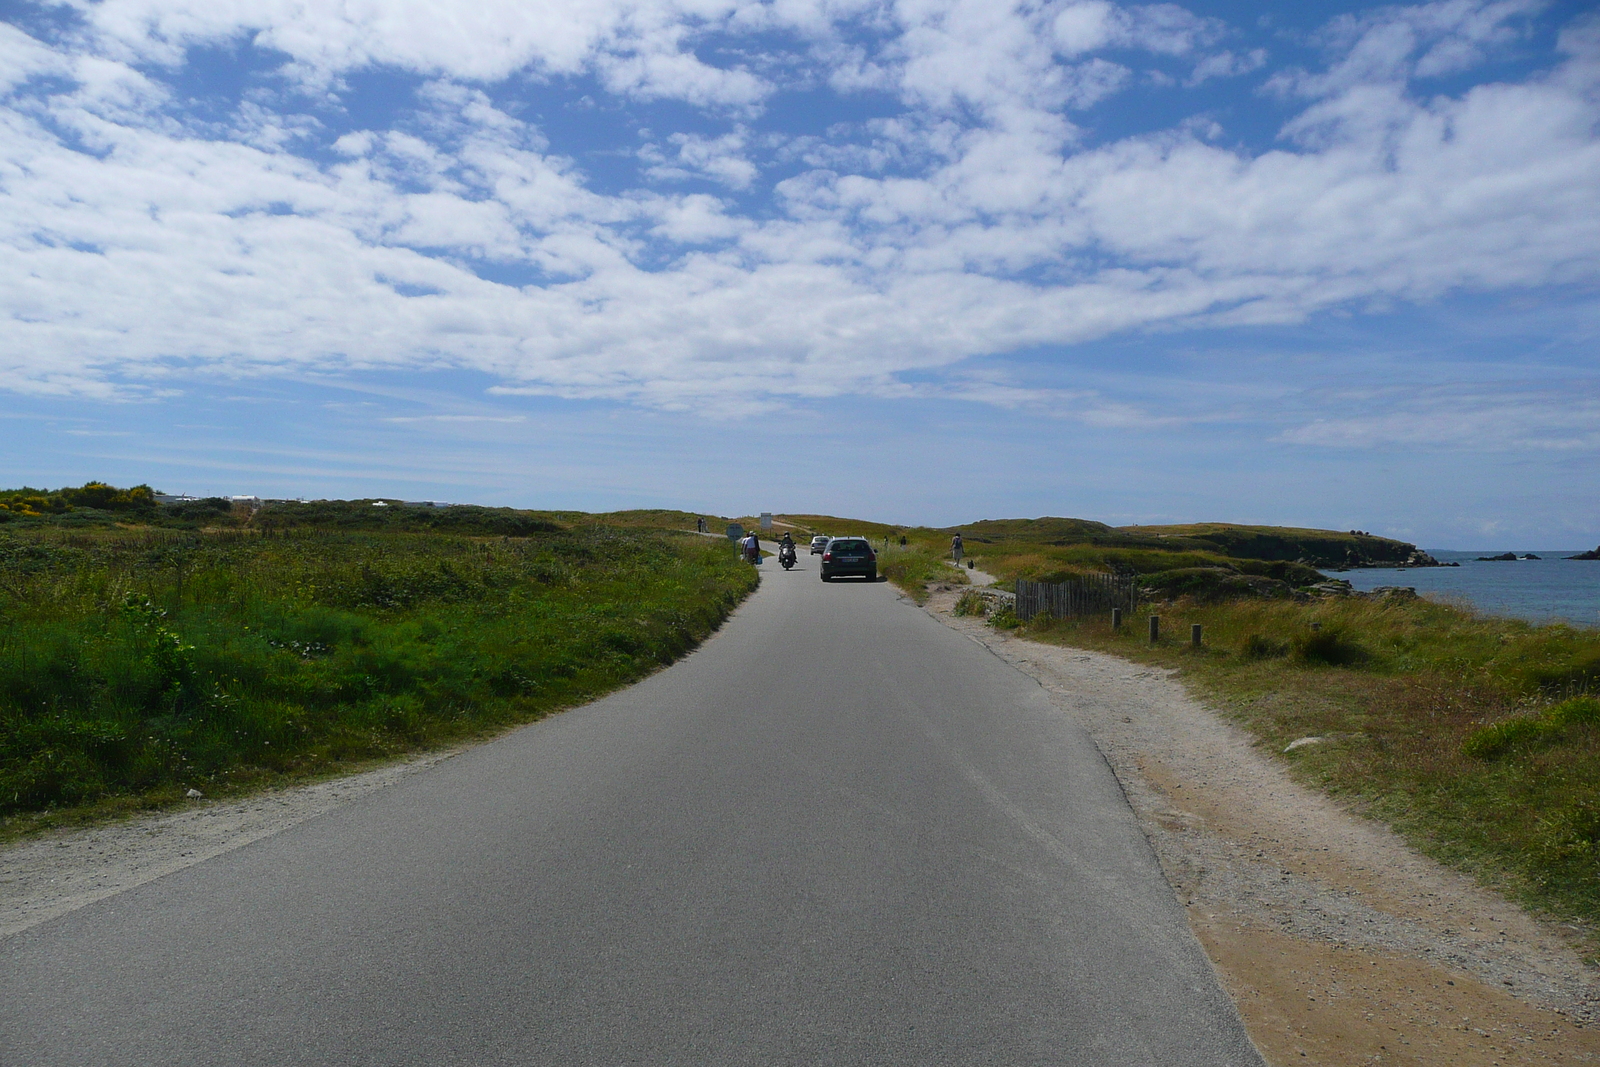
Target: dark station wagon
x,y
849,555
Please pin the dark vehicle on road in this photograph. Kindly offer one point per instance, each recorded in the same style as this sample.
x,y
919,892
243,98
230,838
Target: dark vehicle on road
x,y
818,544
849,555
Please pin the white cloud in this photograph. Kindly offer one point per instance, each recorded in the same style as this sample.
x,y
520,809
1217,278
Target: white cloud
x,y
973,222
1162,28
719,159
1507,417
1227,65
1394,44
641,48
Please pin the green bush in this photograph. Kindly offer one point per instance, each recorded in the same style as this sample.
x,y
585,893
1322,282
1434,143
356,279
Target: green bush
x,y
971,602
1211,584
134,663
1328,646
1257,646
1552,725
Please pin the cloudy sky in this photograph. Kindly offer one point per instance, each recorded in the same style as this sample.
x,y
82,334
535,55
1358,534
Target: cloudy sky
x,y
913,260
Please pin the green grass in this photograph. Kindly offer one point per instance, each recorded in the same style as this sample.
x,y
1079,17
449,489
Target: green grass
x,y
912,568
138,663
1471,735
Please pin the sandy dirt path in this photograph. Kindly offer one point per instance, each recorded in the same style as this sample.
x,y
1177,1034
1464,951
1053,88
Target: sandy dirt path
x,y
1339,943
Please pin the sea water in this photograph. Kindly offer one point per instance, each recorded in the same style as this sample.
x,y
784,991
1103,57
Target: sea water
x,y
1546,589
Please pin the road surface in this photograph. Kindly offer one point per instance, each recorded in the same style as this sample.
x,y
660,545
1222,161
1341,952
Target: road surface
x,y
839,833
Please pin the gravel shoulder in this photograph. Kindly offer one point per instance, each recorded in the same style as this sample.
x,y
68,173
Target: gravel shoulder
x,y
62,871
1339,943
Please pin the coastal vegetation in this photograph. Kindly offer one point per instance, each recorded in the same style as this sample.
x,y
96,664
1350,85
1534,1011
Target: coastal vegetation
x,y
1476,737
144,654
1208,560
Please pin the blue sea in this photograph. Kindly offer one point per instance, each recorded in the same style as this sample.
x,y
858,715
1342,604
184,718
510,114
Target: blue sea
x,y
1547,589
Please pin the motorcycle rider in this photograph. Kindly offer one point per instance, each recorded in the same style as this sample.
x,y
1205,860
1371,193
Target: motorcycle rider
x,y
786,549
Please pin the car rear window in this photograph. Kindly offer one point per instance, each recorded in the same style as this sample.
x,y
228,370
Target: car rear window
x,y
848,546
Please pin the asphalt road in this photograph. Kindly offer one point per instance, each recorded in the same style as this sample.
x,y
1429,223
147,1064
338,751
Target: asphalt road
x,y
839,833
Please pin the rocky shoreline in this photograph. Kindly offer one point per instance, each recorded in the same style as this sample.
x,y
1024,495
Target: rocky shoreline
x,y
1418,558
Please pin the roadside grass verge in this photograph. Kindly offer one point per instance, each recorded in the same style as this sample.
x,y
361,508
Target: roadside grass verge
x,y
1473,736
912,568
136,664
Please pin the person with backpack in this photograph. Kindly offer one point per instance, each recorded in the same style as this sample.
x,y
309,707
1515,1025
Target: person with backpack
x,y
955,549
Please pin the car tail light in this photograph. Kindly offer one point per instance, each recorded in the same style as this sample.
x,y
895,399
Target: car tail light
x,y
873,556
827,557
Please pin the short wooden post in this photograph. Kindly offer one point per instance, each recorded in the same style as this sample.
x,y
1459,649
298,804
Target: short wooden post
x,y
1194,635
1155,628
1116,618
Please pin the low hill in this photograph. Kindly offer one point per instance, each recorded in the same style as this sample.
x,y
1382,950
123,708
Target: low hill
x,y
1046,530
400,518
1319,548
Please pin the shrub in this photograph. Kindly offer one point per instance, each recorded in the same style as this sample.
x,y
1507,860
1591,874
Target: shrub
x,y
1326,647
971,602
1213,584
1004,618
1499,738
1258,647
1580,673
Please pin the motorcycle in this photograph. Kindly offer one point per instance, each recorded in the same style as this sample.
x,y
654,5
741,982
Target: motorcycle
x,y
786,556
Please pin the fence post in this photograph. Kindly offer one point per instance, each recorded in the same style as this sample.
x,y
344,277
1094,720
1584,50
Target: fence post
x,y
1155,628
1116,618
1194,635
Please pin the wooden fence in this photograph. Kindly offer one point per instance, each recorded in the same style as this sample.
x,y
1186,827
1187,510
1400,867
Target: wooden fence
x,y
1089,595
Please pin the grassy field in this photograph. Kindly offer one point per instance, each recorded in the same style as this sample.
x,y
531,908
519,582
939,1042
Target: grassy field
x,y
139,662
1473,736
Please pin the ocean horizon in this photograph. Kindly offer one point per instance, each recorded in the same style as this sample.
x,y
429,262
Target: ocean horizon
x,y
1549,589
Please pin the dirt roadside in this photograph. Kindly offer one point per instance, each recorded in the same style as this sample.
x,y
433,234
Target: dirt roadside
x,y
65,870
1339,943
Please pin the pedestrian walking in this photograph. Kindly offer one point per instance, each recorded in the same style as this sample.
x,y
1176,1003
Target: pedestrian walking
x,y
955,549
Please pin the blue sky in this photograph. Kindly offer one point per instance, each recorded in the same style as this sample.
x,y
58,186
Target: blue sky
x,y
919,261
